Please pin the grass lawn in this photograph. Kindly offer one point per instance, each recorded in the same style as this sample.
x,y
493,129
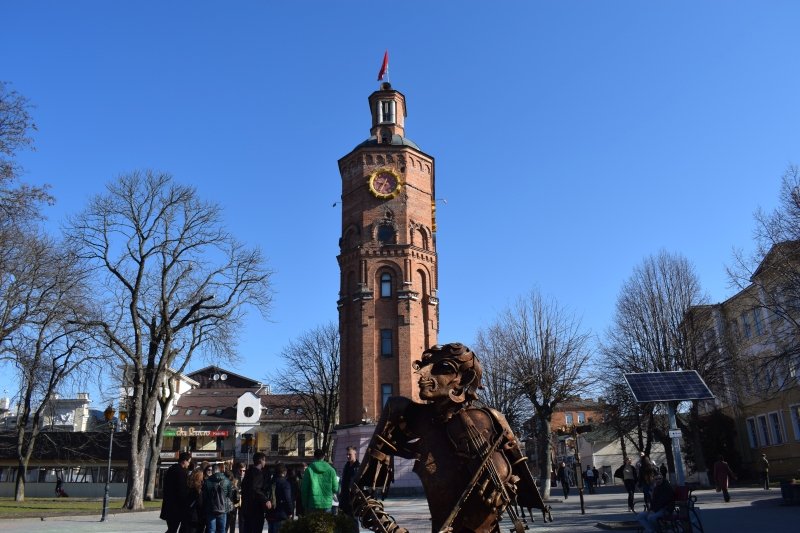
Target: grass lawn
x,y
33,507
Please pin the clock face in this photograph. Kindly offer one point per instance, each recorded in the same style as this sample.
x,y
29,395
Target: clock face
x,y
384,184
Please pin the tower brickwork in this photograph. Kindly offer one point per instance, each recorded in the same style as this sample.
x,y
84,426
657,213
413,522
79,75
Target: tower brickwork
x,y
388,308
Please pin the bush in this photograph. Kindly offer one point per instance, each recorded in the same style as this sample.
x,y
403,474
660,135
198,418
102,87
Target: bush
x,y
320,523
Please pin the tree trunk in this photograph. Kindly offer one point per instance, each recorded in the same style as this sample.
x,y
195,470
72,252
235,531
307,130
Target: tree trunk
x,y
152,468
19,491
544,453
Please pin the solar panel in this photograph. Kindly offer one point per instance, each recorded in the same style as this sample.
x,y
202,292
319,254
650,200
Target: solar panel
x,y
668,386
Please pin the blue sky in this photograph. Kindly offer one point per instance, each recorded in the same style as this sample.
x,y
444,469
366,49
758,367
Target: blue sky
x,y
572,139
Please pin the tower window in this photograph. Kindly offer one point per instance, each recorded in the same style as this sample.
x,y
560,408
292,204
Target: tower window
x,y
386,285
386,392
386,110
386,342
386,234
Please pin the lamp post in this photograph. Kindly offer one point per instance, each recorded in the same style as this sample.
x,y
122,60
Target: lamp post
x,y
108,414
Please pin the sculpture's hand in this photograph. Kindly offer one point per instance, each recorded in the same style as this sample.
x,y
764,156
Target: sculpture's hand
x,y
372,515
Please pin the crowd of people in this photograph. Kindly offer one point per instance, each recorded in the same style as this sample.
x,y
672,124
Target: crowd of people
x,y
208,498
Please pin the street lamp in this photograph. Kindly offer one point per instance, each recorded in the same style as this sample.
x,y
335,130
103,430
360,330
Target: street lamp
x,y
108,414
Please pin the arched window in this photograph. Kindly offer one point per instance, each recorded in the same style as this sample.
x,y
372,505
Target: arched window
x,y
386,234
386,285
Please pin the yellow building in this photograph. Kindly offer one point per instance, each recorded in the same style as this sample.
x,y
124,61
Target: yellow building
x,y
756,331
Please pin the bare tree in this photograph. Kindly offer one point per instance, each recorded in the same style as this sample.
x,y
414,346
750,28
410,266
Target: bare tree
x,y
500,391
650,334
170,267
17,201
48,345
772,274
311,374
548,358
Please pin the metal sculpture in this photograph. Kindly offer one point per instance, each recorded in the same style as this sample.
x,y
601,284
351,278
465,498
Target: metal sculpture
x,y
467,457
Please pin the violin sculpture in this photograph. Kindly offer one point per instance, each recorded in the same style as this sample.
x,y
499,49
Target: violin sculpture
x,y
466,456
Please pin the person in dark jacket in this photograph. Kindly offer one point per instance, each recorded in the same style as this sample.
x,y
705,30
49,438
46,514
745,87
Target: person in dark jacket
x,y
563,479
349,473
254,495
175,505
282,492
215,520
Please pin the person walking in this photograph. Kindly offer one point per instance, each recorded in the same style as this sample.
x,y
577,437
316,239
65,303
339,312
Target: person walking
x,y
722,476
319,485
254,495
175,504
646,470
596,478
282,496
627,473
765,470
589,475
563,479
217,499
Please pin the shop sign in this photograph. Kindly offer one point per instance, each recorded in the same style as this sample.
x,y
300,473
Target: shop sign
x,y
168,455
195,432
204,455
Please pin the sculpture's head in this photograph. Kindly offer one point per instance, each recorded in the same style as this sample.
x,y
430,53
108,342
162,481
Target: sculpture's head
x,y
450,371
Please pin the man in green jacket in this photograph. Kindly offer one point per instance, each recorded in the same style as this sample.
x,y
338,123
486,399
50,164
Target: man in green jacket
x,y
319,485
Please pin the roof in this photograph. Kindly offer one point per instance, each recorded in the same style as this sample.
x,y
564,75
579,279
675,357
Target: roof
x,y
220,406
205,378
397,140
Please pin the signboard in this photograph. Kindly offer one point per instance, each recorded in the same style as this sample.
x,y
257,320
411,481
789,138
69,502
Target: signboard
x,y
675,433
168,455
204,455
195,432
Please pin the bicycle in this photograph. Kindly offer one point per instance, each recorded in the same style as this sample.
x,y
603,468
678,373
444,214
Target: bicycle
x,y
685,517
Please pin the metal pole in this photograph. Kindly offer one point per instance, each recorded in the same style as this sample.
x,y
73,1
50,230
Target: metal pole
x,y
676,443
108,473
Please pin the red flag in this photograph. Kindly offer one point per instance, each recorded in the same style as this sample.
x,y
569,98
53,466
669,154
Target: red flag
x,y
384,66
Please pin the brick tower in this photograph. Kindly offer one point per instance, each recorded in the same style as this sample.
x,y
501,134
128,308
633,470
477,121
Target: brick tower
x,y
388,312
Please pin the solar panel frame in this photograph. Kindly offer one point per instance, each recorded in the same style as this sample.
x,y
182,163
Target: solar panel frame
x,y
672,386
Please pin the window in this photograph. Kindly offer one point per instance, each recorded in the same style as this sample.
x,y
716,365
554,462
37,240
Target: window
x,y
757,324
581,418
287,411
386,110
301,444
746,325
192,444
386,342
568,419
386,285
794,411
174,412
176,444
273,442
189,411
203,412
221,444
752,435
763,429
777,428
248,411
218,411
386,392
386,234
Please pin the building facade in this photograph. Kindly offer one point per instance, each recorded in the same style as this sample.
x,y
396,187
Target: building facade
x,y
388,304
756,332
